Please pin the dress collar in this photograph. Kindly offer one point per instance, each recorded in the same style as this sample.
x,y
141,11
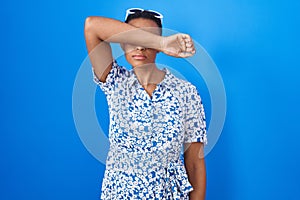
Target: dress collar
x,y
167,81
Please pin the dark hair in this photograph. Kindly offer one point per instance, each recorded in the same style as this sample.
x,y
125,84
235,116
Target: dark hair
x,y
145,15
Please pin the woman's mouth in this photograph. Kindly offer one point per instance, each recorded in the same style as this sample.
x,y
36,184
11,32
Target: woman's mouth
x,y
139,57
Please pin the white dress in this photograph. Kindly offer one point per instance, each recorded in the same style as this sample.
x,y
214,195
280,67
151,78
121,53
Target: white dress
x,y
146,136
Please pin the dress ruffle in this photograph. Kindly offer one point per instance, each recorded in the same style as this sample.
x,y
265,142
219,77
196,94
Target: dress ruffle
x,y
177,181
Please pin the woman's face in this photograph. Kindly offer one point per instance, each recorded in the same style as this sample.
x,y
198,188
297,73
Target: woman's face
x,y
138,55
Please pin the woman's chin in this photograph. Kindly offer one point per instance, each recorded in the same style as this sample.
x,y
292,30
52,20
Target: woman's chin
x,y
138,63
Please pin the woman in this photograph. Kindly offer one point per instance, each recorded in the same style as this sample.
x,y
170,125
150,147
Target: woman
x,y
153,114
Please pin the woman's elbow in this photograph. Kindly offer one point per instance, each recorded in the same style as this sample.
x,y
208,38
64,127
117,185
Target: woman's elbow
x,y
88,23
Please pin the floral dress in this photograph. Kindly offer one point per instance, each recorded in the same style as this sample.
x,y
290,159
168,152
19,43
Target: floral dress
x,y
146,136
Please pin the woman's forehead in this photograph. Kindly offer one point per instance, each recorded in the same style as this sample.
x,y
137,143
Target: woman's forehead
x,y
147,24
142,22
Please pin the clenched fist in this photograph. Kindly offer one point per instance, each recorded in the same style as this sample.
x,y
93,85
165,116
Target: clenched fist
x,y
178,45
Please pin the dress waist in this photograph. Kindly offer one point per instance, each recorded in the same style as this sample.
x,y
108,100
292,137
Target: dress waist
x,y
134,161
144,163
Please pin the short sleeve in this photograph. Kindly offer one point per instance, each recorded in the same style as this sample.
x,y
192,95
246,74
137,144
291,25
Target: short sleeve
x,y
115,76
195,124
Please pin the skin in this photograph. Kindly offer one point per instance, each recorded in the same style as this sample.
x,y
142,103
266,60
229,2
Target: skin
x,y
143,59
100,31
139,55
141,48
195,167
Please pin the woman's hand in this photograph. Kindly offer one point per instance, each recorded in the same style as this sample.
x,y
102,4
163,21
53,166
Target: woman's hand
x,y
178,45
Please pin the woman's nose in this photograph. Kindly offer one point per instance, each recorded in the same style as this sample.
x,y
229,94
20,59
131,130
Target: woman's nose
x,y
140,48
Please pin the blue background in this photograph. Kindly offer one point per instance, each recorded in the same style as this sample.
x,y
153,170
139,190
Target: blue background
x,y
255,45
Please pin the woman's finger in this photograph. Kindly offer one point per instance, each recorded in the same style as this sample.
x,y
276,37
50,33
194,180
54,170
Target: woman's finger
x,y
186,36
185,54
182,44
188,40
188,45
190,50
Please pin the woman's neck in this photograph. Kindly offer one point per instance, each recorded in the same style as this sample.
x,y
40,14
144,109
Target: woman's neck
x,y
149,74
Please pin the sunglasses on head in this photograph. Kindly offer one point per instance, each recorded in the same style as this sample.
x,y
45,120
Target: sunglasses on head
x,y
139,10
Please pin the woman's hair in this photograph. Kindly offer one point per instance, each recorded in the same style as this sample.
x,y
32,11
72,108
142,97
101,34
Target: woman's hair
x,y
145,15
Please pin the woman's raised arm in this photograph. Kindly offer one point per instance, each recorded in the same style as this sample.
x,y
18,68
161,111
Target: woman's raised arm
x,y
100,31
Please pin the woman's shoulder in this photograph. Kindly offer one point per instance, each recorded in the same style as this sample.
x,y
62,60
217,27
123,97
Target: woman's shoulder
x,y
119,70
182,84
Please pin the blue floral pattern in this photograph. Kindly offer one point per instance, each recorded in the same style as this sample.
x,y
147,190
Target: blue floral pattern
x,y
146,136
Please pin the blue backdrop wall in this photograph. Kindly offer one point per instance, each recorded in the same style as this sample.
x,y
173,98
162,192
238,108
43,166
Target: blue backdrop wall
x,y
255,45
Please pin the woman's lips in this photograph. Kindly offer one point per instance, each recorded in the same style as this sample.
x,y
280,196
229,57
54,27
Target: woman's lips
x,y
139,57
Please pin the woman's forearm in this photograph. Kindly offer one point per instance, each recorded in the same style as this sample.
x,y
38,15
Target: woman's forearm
x,y
111,30
196,170
197,177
